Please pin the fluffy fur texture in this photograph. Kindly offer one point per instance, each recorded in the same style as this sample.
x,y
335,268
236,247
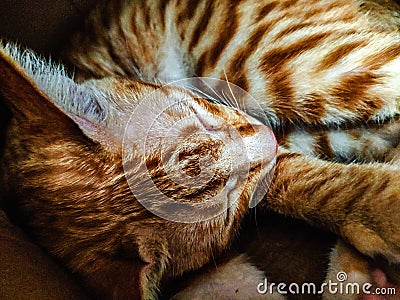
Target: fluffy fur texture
x,y
328,82
83,100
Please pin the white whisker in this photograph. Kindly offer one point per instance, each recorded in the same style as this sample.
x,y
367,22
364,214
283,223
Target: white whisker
x,y
236,103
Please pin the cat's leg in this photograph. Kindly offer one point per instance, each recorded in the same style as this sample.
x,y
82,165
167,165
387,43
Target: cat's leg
x,y
358,202
364,144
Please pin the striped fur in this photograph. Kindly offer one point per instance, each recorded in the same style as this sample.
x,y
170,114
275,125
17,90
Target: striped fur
x,y
321,63
333,66
326,74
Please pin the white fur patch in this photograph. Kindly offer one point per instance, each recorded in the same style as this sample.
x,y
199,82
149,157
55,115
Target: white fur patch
x,y
302,142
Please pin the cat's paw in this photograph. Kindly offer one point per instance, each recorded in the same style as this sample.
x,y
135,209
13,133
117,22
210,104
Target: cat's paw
x,y
372,219
379,236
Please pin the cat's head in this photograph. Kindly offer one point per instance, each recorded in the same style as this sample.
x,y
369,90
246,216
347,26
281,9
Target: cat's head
x,y
121,166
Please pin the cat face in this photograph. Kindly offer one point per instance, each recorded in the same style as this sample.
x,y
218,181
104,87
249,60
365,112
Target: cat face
x,y
197,159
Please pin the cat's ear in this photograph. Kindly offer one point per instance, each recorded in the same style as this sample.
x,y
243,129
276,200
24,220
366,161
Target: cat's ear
x,y
39,92
25,99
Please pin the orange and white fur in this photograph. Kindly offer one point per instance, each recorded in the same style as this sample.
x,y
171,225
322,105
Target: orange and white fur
x,y
326,75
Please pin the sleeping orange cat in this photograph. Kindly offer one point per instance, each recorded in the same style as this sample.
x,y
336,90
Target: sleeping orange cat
x,y
128,202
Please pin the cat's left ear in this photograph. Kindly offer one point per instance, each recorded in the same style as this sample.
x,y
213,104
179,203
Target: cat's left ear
x,y
41,94
28,103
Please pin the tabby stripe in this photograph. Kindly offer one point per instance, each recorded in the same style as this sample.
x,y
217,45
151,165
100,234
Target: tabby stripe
x,y
133,27
265,10
91,34
157,87
282,88
129,68
185,15
162,8
146,14
323,147
211,188
211,56
355,196
308,23
212,108
202,24
224,91
246,130
313,104
292,29
324,185
132,67
120,68
352,92
240,79
274,62
95,69
176,191
288,3
333,57
282,157
376,61
315,14
109,43
188,12
384,183
236,71
210,147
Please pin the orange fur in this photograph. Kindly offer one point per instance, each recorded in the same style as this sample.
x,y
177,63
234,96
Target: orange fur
x,y
67,170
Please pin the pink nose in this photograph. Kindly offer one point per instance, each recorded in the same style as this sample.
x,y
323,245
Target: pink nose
x,y
262,145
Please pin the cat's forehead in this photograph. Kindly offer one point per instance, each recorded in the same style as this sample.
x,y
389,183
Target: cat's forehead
x,y
161,104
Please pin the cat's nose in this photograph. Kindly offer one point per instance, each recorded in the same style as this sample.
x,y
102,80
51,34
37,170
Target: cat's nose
x,y
261,145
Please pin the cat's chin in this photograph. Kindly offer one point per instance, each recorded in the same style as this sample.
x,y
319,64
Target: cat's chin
x,y
248,192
